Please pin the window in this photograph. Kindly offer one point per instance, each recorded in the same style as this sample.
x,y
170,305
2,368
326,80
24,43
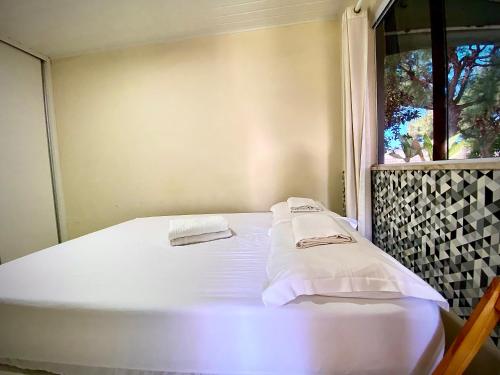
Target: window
x,y
439,80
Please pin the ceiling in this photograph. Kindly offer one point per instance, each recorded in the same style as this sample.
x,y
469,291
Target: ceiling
x,y
58,28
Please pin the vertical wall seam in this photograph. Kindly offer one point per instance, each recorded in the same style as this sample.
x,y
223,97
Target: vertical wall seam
x,y
50,146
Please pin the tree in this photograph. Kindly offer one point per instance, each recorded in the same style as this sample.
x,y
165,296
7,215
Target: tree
x,y
480,123
399,99
466,65
473,103
421,129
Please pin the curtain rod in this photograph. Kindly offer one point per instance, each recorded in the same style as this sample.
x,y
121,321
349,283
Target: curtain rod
x,y
357,8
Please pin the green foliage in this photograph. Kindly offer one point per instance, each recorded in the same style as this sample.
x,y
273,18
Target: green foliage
x,y
428,145
480,123
399,106
410,147
474,99
457,146
421,125
408,87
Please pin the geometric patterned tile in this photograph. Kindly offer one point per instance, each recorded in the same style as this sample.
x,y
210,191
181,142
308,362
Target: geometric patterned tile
x,y
444,226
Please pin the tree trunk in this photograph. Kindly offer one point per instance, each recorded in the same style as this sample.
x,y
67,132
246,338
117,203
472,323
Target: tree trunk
x,y
454,115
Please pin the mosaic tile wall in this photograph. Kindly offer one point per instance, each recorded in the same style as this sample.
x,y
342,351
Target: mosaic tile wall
x,y
444,225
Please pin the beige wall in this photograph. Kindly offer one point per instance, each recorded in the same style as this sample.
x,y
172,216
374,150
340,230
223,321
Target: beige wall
x,y
227,123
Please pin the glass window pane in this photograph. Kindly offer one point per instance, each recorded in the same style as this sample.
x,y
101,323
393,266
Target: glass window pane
x,y
473,40
407,82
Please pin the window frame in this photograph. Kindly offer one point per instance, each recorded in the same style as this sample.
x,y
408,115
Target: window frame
x,y
440,151
439,80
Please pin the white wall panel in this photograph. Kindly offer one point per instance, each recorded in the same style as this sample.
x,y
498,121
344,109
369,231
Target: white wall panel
x,y
27,214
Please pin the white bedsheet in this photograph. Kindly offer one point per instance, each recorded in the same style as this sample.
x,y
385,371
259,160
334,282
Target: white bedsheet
x,y
123,298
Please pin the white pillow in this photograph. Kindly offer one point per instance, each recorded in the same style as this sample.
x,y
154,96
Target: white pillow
x,y
359,270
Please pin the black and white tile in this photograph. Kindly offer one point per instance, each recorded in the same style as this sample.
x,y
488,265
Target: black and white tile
x,y
444,225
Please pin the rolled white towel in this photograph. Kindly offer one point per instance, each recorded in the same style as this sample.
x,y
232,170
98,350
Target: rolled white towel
x,y
297,204
194,226
201,238
314,230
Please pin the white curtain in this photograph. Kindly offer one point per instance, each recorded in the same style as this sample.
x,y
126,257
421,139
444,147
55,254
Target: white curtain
x,y
359,114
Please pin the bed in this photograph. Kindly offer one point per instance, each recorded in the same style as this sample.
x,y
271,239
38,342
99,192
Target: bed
x,y
123,301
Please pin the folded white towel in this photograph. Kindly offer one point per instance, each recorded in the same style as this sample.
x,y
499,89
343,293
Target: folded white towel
x,y
314,230
201,238
194,226
281,213
296,204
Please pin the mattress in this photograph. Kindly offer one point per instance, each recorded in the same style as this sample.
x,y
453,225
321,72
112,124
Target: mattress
x,y
123,301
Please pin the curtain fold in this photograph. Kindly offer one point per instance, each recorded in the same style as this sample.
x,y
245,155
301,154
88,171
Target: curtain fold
x,y
359,115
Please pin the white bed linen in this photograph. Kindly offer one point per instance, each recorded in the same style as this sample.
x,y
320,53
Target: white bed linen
x,y
357,268
123,298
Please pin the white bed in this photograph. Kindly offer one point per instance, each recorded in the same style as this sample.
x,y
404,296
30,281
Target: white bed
x,y
123,301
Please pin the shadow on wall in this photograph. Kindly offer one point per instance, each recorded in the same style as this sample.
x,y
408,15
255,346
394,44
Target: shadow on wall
x,y
336,132
293,140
